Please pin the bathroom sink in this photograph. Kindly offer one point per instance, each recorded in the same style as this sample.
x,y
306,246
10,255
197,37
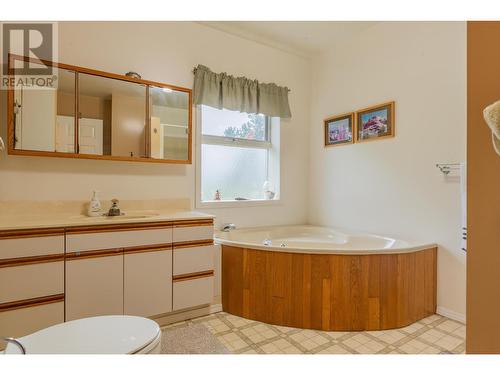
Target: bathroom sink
x,y
123,216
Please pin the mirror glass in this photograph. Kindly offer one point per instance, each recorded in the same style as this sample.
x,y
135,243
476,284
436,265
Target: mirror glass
x,y
169,135
44,117
92,114
111,117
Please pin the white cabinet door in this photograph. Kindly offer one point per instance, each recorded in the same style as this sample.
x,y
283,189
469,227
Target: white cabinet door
x,y
94,286
90,136
148,283
65,134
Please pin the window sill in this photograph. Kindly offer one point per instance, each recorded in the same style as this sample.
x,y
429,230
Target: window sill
x,y
235,203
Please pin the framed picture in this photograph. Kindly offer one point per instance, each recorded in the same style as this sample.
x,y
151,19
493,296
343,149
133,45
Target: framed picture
x,y
339,130
375,122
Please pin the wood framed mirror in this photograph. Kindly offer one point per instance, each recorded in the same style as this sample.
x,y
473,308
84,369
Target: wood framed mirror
x,y
91,114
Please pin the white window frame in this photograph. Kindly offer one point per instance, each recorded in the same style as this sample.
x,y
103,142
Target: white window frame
x,y
272,165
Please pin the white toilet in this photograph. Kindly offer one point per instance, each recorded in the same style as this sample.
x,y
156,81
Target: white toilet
x,y
111,334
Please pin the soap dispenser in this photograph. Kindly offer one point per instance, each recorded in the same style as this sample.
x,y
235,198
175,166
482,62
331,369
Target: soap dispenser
x,y
94,205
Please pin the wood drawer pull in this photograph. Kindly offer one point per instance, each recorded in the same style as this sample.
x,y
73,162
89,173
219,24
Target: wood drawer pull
x,y
31,302
147,248
93,254
184,244
193,223
25,261
192,276
118,227
27,233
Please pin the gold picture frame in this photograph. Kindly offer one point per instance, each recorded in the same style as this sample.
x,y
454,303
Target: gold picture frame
x,y
339,130
375,122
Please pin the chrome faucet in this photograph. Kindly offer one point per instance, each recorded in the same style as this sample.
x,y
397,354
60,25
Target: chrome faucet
x,y
114,210
228,227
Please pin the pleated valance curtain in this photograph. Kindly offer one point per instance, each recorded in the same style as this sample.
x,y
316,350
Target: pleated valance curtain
x,y
220,90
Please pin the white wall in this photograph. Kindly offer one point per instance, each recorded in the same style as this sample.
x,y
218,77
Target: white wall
x,y
167,52
392,186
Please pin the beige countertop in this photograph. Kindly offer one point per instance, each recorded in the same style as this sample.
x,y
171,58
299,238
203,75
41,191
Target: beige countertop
x,y
13,222
50,215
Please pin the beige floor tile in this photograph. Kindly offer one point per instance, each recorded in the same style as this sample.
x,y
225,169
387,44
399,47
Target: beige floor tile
x,y
432,335
362,339
412,328
336,335
285,329
391,337
216,326
281,344
448,342
430,319
374,346
441,335
449,326
413,347
299,337
310,344
237,321
291,350
270,348
334,349
430,350
362,349
460,332
351,343
320,340
250,351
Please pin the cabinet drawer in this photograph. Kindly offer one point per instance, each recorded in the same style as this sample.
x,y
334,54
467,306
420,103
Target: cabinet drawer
x,y
23,321
31,246
193,292
31,281
193,233
193,259
117,239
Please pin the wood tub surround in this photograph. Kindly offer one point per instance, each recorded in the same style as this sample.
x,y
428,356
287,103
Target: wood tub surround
x,y
329,292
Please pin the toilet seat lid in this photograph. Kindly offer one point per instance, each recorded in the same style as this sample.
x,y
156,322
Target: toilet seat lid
x,y
110,334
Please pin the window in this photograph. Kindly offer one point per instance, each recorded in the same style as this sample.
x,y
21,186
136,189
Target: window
x,y
239,156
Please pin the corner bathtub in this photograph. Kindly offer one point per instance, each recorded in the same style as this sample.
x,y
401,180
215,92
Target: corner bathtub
x,y
321,278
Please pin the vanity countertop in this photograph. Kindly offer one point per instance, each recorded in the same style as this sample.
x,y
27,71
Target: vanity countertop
x,y
59,220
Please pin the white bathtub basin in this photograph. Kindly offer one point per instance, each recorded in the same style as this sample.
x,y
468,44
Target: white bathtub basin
x,y
316,240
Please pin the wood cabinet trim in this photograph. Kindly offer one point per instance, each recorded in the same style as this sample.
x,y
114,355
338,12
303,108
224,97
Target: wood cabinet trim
x,y
147,248
193,223
29,260
118,227
187,244
192,276
77,255
97,228
31,302
27,233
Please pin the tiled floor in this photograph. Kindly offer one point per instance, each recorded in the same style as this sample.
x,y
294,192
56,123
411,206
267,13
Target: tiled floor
x,y
432,335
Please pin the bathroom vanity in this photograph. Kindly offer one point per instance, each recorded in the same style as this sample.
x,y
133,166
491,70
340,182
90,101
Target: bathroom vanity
x,y
147,267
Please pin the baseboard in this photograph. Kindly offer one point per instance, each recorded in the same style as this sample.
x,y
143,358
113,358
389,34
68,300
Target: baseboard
x,y
179,316
450,314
